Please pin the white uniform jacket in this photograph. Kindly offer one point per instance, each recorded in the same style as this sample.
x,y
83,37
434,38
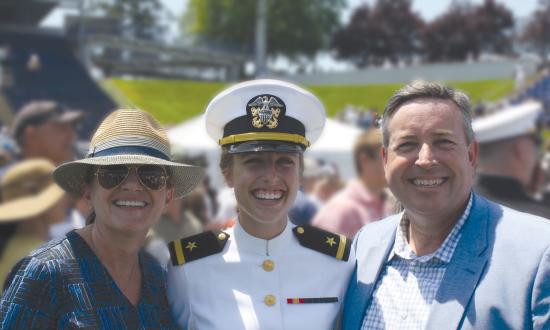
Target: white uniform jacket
x,y
259,284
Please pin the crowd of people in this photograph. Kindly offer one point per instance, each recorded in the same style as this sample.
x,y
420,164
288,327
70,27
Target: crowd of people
x,y
126,236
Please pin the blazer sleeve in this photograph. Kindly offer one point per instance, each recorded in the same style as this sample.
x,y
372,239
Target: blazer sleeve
x,y
541,294
30,299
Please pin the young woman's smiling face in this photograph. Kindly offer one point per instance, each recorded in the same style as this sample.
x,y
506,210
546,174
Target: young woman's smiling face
x,y
265,184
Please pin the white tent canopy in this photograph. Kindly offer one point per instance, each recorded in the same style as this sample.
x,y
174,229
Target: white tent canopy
x,y
335,145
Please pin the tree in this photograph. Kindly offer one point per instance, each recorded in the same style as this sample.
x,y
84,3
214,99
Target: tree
x,y
494,24
351,41
537,32
452,36
139,18
400,29
389,31
294,27
465,30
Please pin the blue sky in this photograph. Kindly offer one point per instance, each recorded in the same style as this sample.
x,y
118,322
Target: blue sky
x,y
428,9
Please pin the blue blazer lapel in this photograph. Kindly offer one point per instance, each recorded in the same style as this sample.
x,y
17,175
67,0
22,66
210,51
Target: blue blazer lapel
x,y
368,268
465,269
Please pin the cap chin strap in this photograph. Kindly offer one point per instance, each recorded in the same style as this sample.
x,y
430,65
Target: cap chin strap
x,y
272,136
261,146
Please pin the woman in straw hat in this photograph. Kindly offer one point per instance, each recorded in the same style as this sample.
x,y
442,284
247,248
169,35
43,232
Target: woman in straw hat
x,y
30,203
98,277
264,273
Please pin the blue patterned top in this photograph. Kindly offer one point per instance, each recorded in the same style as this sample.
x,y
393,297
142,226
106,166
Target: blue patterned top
x,y
63,285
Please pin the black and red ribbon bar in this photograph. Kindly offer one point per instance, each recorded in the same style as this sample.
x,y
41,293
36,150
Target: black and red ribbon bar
x,y
322,300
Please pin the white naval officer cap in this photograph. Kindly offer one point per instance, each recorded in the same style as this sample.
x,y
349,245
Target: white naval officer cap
x,y
516,120
265,115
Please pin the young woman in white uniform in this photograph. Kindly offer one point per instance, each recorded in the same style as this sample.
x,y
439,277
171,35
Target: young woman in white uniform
x,y
264,273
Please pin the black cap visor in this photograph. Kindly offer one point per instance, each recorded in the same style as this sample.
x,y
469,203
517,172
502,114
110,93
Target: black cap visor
x,y
265,146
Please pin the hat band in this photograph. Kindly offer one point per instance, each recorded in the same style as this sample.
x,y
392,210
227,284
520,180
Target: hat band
x,y
273,136
129,150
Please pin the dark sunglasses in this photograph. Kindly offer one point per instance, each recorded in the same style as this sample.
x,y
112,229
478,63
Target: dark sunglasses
x,y
152,177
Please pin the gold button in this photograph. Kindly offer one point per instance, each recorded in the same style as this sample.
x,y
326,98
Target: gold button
x,y
270,300
300,230
221,236
268,265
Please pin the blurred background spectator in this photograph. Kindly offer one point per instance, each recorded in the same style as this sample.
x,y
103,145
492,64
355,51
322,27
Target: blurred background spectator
x,y
363,199
320,180
30,202
46,129
510,158
182,217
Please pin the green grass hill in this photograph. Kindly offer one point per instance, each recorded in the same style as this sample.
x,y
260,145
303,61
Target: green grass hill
x,y
172,101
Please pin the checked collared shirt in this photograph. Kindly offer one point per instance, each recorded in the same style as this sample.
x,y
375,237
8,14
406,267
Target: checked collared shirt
x,y
408,283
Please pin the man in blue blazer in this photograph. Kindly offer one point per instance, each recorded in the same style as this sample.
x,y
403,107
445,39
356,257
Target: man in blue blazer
x,y
452,259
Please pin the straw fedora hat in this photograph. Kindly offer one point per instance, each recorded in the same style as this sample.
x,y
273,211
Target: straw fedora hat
x,y
128,136
27,190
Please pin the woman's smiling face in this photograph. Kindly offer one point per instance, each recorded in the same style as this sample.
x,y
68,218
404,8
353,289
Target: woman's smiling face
x,y
129,206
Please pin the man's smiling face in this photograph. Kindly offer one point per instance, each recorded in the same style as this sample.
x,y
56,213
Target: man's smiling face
x,y
428,163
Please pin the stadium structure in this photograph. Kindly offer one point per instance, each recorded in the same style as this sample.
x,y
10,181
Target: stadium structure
x,y
38,63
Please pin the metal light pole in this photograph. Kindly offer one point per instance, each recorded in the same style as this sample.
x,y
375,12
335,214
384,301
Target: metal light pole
x,y
261,36
82,47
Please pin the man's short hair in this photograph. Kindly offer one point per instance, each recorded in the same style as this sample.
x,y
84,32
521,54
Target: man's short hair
x,y
368,143
420,89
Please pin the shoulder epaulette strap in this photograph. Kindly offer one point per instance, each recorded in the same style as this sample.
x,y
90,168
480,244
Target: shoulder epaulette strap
x,y
197,246
335,245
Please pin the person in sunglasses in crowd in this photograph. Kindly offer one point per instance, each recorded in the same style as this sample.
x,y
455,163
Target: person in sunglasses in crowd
x,y
98,277
263,272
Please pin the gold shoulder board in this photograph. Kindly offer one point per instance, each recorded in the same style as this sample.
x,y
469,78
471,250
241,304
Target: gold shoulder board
x,y
197,246
335,245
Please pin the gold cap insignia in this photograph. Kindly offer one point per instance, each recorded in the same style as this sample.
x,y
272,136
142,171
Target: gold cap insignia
x,y
265,111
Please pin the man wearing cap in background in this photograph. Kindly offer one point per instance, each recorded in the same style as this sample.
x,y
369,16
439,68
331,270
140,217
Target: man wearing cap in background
x,y
46,129
509,152
364,199
264,272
